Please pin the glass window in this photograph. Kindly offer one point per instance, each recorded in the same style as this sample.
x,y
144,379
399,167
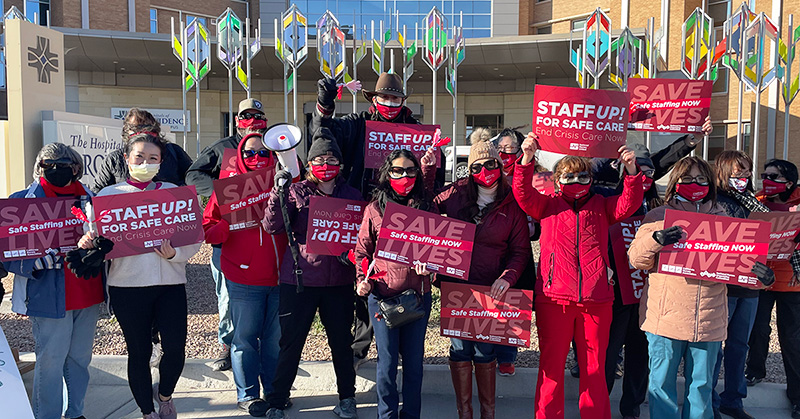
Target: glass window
x,y
578,24
482,6
2,66
153,21
544,30
493,122
36,11
719,11
716,141
190,19
463,6
482,21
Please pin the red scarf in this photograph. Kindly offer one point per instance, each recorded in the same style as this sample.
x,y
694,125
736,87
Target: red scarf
x,y
51,191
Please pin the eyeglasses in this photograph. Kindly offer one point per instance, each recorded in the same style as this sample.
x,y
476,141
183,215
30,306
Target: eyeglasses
x,y
50,164
252,153
581,177
319,161
248,115
397,172
773,177
741,175
649,173
508,149
702,180
491,164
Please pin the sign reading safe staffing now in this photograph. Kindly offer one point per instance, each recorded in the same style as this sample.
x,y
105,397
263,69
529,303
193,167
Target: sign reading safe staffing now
x,y
720,249
138,222
333,225
666,105
31,226
243,198
785,227
408,235
468,312
580,122
631,280
381,138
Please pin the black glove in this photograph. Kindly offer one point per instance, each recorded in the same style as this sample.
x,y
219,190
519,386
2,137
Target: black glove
x,y
764,273
88,263
3,271
344,259
75,263
668,236
327,92
283,179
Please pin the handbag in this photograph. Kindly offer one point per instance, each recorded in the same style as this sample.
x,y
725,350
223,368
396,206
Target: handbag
x,y
401,309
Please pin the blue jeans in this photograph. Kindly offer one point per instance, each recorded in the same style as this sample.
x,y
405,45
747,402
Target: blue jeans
x,y
256,337
741,315
63,353
225,332
468,351
407,341
665,357
505,354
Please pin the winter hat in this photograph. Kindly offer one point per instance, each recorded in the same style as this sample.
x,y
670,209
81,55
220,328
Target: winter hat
x,y
323,143
605,173
482,148
642,155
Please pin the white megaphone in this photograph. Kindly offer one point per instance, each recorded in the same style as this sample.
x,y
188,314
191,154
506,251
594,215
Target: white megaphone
x,y
282,138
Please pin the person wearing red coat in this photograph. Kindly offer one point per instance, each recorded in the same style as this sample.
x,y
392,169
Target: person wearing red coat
x,y
574,294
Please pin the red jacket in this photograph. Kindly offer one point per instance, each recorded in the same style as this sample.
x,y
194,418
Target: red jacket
x,y
573,266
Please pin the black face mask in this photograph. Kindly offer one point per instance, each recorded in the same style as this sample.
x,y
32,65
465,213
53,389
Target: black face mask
x,y
59,176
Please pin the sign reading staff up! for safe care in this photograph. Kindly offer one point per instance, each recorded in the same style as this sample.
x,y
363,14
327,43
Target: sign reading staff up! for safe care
x,y
384,137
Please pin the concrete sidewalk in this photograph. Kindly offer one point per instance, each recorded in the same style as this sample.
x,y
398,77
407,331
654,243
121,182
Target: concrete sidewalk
x,y
203,393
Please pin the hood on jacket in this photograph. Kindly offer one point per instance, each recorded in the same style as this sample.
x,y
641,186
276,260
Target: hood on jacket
x,y
794,198
240,166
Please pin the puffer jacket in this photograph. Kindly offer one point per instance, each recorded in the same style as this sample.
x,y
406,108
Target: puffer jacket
x,y
785,280
673,306
318,270
574,261
502,246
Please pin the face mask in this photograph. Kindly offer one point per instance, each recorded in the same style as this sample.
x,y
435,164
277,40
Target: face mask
x,y
647,184
325,172
773,188
257,162
59,176
252,123
575,190
388,112
143,172
738,183
509,160
403,186
691,192
486,177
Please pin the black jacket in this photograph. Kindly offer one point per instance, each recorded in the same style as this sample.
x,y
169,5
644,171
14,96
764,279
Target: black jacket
x,y
736,210
115,169
205,170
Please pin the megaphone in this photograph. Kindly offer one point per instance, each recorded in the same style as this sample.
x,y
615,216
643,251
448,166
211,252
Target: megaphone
x,y
282,138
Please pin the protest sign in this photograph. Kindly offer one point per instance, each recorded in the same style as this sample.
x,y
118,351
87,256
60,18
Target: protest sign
x,y
333,225
31,226
409,235
243,198
631,280
381,138
667,105
785,226
543,182
227,167
715,248
140,221
13,397
468,312
580,122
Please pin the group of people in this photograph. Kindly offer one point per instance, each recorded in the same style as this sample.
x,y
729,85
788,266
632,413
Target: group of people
x,y
270,287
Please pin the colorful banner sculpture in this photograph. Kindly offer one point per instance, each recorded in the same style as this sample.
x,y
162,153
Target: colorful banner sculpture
x,y
626,59
291,47
331,48
593,55
733,30
698,59
178,41
757,71
435,52
359,52
229,52
252,47
457,56
379,46
194,51
791,82
409,52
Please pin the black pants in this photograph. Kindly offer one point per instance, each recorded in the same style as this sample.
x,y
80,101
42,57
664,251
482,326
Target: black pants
x,y
137,309
296,314
363,328
788,322
625,331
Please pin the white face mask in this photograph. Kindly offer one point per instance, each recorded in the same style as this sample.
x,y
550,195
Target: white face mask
x,y
143,172
740,184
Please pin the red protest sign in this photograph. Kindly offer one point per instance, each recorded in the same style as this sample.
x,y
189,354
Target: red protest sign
x,y
381,138
468,312
227,167
667,105
631,280
580,122
720,249
333,225
409,235
784,228
137,222
31,226
243,198
543,182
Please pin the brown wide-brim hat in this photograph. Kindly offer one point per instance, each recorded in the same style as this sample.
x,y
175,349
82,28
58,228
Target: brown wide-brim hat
x,y
388,84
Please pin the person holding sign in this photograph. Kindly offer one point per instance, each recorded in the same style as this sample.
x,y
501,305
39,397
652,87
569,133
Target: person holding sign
x,y
250,260
148,289
399,182
63,308
327,279
500,254
574,291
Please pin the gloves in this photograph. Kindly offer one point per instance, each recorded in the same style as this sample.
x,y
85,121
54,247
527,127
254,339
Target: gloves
x,y
49,261
668,236
344,259
88,263
326,92
75,263
282,180
764,274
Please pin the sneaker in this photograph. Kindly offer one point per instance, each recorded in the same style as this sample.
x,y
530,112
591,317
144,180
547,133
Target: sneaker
x,y
619,371
346,409
735,413
276,414
223,362
155,356
751,380
255,407
575,371
166,409
796,411
152,415
506,369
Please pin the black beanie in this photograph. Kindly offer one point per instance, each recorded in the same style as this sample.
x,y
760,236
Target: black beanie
x,y
642,155
323,143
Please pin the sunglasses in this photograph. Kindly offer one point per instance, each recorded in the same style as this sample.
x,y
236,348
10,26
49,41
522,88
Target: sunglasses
x,y
253,153
649,173
773,177
701,180
488,164
508,149
581,177
50,164
248,115
397,172
319,161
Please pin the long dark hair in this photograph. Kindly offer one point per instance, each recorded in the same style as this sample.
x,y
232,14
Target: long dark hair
x,y
682,168
383,192
146,138
789,171
725,164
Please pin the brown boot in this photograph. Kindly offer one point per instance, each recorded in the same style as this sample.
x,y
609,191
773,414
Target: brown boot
x,y
461,372
485,377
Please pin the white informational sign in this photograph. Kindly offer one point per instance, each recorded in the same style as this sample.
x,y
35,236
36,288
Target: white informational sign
x,y
13,398
172,118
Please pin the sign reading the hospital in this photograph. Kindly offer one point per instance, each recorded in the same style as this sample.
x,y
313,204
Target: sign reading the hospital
x,y
470,313
631,280
139,222
785,228
580,122
29,227
333,225
666,105
173,118
715,248
381,138
410,235
243,198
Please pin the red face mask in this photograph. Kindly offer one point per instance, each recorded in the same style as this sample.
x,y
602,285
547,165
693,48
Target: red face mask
x,y
647,184
486,177
691,192
403,186
773,188
252,123
509,160
575,190
257,162
325,172
388,112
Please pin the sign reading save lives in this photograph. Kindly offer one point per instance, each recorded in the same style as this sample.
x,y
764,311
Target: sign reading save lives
x,y
381,138
785,227
666,105
243,198
30,226
408,235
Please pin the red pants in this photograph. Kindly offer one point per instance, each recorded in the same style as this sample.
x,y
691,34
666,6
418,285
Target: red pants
x,y
557,325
